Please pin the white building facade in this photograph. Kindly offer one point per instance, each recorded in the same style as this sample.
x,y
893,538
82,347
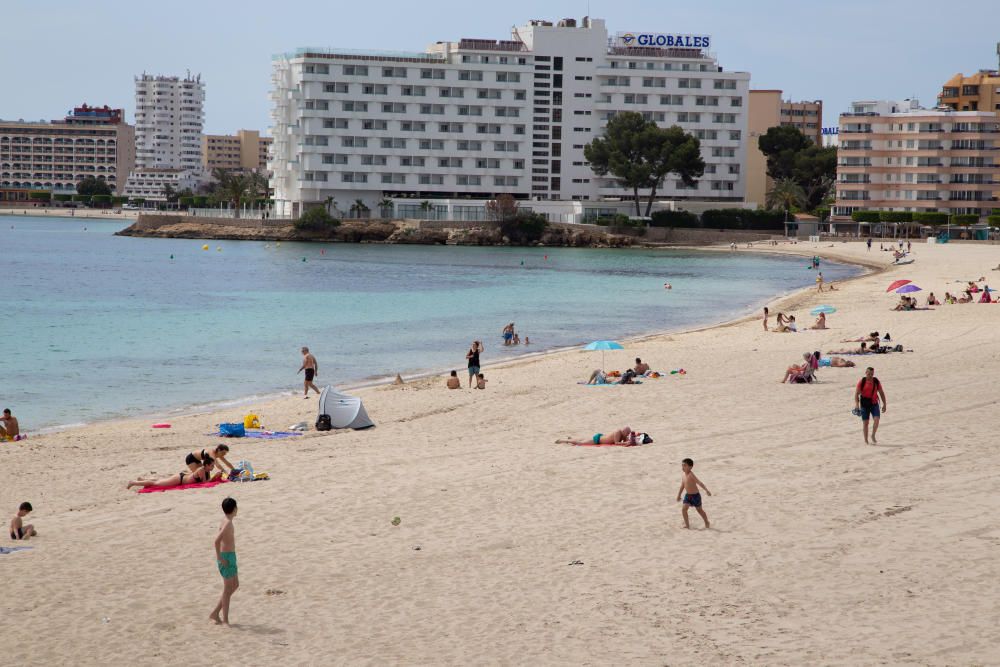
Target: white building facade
x,y
477,118
169,120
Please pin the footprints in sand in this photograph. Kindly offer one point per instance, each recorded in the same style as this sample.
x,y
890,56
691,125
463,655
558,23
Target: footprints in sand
x,y
891,511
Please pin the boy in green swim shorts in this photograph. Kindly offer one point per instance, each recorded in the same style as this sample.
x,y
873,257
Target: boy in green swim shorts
x,y
225,556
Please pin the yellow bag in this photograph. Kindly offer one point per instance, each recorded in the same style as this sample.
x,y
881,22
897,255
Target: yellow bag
x,y
251,421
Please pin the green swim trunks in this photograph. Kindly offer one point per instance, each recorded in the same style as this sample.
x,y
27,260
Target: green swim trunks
x,y
227,564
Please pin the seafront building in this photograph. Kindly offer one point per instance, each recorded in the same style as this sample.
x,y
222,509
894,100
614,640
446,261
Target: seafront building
x,y
767,109
55,156
465,121
244,151
898,156
169,116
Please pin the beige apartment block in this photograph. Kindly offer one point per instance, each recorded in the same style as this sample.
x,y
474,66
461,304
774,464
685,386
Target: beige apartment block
x,y
915,159
979,92
55,156
765,113
807,116
243,151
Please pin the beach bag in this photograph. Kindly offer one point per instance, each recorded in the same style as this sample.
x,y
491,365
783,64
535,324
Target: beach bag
x,y
251,421
232,430
243,472
323,423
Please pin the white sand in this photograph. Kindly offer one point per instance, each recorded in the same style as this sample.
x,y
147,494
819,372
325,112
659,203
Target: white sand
x,y
823,550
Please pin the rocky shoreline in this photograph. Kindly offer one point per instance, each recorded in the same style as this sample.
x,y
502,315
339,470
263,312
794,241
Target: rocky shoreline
x,y
375,231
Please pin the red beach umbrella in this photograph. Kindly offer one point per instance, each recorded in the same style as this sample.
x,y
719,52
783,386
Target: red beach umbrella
x,y
896,284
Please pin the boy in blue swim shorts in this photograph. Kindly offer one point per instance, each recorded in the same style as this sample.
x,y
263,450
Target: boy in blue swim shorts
x,y
689,487
225,557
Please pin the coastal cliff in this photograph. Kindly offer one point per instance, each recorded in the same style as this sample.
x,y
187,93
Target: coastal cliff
x,y
422,232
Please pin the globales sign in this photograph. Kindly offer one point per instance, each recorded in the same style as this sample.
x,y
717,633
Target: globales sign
x,y
664,40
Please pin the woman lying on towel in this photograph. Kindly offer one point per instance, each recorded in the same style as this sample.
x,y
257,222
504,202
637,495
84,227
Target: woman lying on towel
x,y
203,474
623,436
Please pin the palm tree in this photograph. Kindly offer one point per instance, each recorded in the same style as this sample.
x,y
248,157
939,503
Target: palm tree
x,y
360,208
331,205
785,194
385,205
426,207
233,188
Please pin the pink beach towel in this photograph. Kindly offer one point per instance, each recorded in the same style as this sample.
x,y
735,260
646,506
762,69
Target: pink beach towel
x,y
617,444
199,485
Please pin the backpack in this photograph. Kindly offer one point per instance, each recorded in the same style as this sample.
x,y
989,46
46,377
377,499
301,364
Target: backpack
x,y
868,402
233,430
323,423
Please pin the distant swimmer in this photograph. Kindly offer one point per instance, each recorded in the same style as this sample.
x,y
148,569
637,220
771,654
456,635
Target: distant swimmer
x,y
667,286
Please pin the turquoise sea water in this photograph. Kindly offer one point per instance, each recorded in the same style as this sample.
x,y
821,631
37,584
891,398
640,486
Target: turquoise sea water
x,y
97,326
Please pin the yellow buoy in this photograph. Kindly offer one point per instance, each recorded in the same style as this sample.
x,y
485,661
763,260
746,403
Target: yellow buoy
x,y
205,247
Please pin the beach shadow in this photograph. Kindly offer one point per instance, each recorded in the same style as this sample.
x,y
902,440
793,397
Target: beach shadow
x,y
257,628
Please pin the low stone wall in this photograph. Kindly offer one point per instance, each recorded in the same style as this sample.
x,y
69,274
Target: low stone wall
x,y
681,236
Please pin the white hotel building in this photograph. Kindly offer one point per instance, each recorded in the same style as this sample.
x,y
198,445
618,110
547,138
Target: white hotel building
x,y
468,120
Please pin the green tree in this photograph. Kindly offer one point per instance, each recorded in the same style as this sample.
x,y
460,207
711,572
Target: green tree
x,y
426,207
170,193
785,195
524,227
232,187
640,154
385,208
792,155
92,186
781,145
316,219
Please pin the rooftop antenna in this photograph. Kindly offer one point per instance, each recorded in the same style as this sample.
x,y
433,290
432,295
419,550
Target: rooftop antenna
x,y
998,52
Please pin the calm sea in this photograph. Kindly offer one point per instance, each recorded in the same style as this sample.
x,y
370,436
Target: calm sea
x,y
96,326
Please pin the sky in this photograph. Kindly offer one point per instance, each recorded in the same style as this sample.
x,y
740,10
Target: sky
x,y
66,52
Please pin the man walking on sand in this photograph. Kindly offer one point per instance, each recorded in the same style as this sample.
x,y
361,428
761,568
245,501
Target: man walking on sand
x,y
866,398
311,368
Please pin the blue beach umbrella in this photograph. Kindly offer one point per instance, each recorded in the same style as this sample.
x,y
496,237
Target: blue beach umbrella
x,y
829,310
906,289
603,345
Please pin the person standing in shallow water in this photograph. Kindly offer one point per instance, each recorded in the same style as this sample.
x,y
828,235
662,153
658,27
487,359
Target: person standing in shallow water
x,y
311,367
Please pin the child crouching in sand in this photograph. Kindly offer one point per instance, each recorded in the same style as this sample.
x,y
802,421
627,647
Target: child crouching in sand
x,y
689,486
225,557
19,531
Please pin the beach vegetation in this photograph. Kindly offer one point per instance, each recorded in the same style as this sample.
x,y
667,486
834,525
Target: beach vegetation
x,y
316,219
674,219
964,219
40,195
865,216
63,197
792,155
786,195
83,199
359,209
101,201
640,154
524,228
118,201
742,218
993,220
502,208
235,188
385,208
92,186
895,216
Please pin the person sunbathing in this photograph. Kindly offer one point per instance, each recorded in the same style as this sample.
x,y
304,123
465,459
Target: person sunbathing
x,y
932,300
870,338
864,349
795,371
836,362
965,299
597,377
203,474
623,436
820,322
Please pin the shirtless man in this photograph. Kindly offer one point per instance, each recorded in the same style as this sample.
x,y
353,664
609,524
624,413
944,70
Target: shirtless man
x,y
641,367
692,498
623,436
9,427
311,368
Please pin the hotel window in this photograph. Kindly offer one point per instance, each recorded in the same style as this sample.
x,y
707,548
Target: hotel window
x,y
391,142
355,70
393,107
354,142
374,125
321,105
450,162
735,135
508,77
470,111
489,93
412,126
723,152
330,158
355,106
689,83
455,128
335,88
725,84
431,145
487,163
431,109
451,92
316,141
413,91
673,100
507,112
375,89
397,72
734,169
470,180
470,75
369,160
394,178
432,74
431,179
654,83
411,161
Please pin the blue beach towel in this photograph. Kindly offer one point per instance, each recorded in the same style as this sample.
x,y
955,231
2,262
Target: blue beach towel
x,y
271,435
10,550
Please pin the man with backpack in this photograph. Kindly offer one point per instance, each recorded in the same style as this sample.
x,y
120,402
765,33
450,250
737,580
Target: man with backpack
x,y
866,402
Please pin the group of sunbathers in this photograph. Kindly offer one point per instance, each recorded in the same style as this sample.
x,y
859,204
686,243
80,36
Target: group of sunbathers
x,y
787,324
204,466
812,361
641,369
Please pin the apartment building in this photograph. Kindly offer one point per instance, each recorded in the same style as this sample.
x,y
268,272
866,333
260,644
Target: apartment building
x,y
979,92
806,116
55,156
244,151
475,118
897,156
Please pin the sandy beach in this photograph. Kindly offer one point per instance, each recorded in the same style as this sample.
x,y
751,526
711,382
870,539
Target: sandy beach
x,y
513,550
